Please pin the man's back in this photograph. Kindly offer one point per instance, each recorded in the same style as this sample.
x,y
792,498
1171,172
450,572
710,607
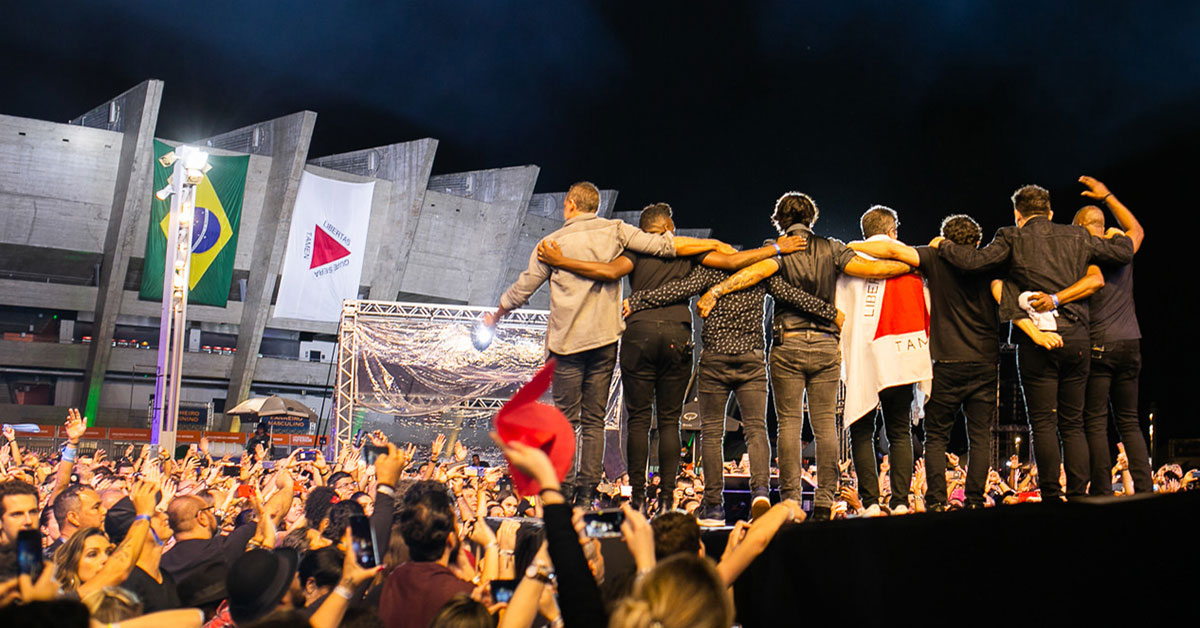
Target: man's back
x,y
815,269
415,591
962,317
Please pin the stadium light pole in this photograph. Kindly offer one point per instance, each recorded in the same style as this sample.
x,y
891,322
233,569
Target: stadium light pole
x,y
189,165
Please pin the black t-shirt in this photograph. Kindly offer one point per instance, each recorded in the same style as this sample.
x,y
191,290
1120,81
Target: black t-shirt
x,y
155,596
1113,314
650,272
962,317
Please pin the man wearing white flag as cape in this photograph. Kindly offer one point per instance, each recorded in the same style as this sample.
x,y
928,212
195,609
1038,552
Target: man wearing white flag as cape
x,y
885,364
326,243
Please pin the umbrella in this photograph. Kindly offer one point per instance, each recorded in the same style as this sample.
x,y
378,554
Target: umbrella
x,y
272,406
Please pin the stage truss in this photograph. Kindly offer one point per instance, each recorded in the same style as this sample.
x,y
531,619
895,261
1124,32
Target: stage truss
x,y
358,346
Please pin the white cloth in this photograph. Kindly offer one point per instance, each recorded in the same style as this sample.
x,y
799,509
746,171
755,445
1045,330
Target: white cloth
x,y
885,340
326,243
1042,320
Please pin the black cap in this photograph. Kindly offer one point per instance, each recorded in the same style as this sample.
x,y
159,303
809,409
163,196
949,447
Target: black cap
x,y
257,582
118,520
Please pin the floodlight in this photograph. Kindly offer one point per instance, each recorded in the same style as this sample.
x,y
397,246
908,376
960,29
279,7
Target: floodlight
x,y
481,336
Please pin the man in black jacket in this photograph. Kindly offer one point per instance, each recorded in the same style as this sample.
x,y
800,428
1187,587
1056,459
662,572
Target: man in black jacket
x,y
1044,257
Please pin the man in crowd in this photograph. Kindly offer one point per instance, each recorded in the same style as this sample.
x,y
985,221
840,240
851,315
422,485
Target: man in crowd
x,y
885,349
656,355
805,355
585,321
154,587
78,506
1116,357
200,558
1044,257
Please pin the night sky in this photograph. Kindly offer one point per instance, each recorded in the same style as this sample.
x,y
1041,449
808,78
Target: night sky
x,y
716,108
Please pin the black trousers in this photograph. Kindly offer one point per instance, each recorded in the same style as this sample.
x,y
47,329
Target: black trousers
x,y
970,386
895,403
1113,375
1055,383
580,390
656,365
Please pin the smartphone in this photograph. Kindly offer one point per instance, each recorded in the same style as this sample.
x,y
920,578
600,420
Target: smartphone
x,y
29,553
231,471
245,490
307,455
358,438
362,539
603,524
371,452
502,591
267,465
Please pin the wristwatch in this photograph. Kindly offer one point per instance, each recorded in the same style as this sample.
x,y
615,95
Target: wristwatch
x,y
539,572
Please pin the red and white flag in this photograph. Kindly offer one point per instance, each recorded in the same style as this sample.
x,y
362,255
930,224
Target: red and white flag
x,y
885,340
325,248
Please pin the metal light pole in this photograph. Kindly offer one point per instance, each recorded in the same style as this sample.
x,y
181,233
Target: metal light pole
x,y
190,164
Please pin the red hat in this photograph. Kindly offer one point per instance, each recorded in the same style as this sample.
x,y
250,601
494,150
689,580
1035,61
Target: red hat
x,y
526,421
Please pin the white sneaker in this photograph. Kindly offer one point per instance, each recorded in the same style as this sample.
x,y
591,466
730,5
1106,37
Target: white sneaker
x,y
900,510
873,511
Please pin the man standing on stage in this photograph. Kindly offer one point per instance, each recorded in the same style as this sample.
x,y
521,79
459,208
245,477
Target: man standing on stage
x,y
656,355
1116,353
965,351
885,353
805,356
585,320
1045,257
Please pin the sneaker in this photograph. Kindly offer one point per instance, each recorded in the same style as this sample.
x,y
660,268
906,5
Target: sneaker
x,y
821,513
900,510
710,516
873,511
761,502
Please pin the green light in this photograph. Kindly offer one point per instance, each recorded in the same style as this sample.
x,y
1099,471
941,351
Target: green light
x,y
93,403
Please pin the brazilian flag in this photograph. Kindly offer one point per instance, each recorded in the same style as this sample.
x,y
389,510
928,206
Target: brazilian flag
x,y
214,229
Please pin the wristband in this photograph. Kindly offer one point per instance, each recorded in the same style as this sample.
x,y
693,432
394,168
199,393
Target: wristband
x,y
1105,199
554,490
778,251
68,454
344,591
1054,297
141,518
386,490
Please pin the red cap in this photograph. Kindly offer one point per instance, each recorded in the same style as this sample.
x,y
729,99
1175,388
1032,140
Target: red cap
x,y
526,421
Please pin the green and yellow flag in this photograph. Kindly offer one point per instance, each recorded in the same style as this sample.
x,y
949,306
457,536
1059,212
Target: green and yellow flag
x,y
214,230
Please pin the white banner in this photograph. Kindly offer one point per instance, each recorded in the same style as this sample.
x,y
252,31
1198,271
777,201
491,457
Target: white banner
x,y
325,248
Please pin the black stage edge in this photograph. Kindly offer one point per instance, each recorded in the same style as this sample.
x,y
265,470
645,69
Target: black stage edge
x,y
1081,563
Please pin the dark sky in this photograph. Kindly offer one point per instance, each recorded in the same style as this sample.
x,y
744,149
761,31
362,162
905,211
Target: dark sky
x,y
716,108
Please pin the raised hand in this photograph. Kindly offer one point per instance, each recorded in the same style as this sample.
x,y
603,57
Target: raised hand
x,y
460,452
75,426
379,439
204,445
9,432
529,460
639,536
142,497
1096,190
436,447
506,536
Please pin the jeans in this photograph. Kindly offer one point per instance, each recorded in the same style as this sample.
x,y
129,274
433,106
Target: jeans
x,y
1055,383
656,365
809,361
895,403
1114,375
971,386
580,391
744,375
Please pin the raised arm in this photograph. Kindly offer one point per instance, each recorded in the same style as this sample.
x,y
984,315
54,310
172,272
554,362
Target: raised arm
x,y
1082,289
888,249
738,261
549,252
735,561
741,280
696,282
798,299
1129,223
75,429
122,561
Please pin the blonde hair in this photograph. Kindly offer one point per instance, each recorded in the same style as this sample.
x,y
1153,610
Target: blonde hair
x,y
113,604
683,591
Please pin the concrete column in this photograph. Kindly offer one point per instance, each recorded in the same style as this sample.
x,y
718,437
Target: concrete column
x,y
135,114
286,141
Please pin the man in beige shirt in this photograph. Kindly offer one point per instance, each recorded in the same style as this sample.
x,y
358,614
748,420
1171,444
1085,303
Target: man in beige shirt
x,y
585,319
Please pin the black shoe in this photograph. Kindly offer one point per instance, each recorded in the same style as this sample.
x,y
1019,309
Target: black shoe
x,y
664,505
637,502
937,508
710,516
760,503
585,498
821,513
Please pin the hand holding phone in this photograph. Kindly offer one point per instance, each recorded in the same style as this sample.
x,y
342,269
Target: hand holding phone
x,y
362,539
603,524
29,553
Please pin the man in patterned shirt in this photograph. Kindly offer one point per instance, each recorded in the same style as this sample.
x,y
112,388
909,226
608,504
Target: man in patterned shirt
x,y
732,361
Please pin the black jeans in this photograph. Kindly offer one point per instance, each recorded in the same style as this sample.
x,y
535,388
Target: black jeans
x,y
580,391
895,403
1114,375
1055,383
746,376
807,361
656,364
972,387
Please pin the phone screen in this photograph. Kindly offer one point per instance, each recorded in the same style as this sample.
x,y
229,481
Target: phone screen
x,y
372,452
29,552
308,455
231,470
362,536
502,590
603,524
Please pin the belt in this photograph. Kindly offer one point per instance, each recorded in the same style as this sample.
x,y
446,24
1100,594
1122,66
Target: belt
x,y
806,333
